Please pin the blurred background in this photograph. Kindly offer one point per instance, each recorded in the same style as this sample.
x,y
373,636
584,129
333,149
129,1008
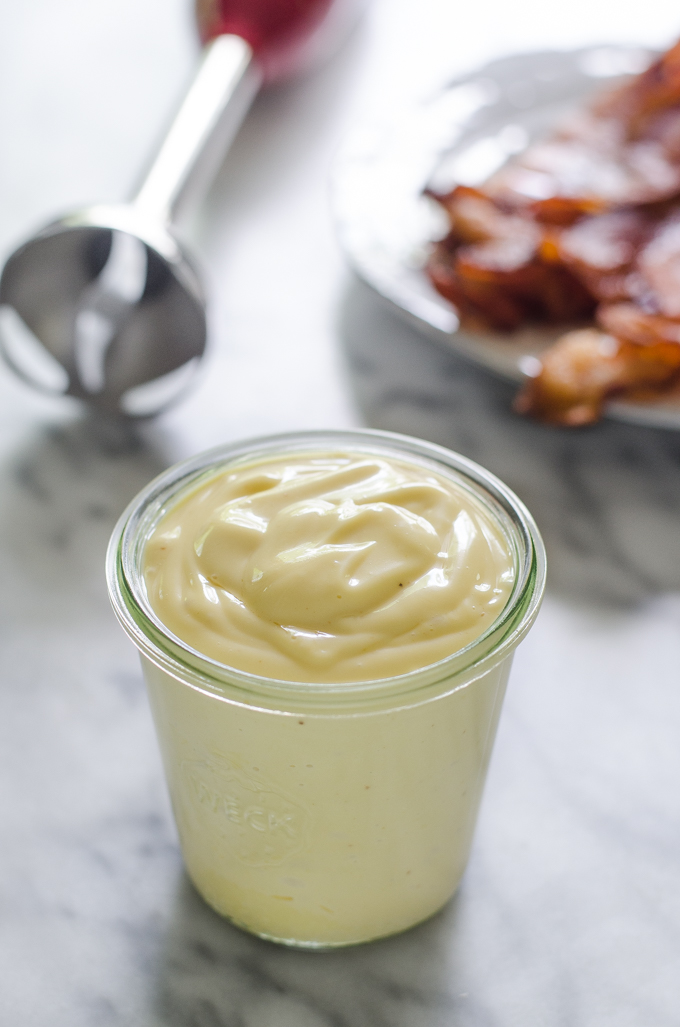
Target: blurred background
x,y
86,92
570,912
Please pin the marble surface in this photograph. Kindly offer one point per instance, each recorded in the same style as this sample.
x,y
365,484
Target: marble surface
x,y
569,913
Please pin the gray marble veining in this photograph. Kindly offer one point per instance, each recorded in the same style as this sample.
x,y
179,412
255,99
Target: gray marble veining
x,y
607,498
569,912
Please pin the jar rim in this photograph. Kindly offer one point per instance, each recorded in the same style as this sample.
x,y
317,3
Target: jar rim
x,y
176,657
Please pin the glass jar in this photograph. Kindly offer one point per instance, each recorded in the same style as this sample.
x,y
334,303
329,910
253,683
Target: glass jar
x,y
322,815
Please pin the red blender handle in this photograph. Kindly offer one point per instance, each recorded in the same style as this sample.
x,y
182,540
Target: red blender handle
x,y
247,43
286,36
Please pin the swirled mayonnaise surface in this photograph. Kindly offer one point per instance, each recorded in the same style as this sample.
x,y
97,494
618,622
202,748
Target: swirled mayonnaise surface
x,y
328,567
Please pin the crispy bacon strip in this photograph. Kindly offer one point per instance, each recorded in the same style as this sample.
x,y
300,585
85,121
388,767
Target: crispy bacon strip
x,y
586,367
499,270
601,251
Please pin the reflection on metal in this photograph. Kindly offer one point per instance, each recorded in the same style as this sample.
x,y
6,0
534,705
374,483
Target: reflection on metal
x,y
110,293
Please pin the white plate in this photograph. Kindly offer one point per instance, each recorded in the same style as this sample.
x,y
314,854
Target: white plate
x,y
462,134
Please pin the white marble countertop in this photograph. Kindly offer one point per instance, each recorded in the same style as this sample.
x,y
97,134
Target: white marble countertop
x,y
569,913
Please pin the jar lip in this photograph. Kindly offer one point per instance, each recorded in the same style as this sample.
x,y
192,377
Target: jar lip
x,y
180,660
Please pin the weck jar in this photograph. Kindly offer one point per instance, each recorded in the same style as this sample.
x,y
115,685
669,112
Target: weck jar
x,y
323,813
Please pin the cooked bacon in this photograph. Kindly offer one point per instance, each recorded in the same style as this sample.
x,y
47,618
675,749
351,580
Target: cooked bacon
x,y
601,251
563,210
475,218
627,321
659,267
665,129
482,300
496,267
586,367
594,162
586,221
588,175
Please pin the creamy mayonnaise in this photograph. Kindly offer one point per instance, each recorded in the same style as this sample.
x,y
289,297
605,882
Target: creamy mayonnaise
x,y
335,804
326,829
328,567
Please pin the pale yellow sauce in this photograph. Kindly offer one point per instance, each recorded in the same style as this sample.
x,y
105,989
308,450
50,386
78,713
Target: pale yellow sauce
x,y
328,567
327,828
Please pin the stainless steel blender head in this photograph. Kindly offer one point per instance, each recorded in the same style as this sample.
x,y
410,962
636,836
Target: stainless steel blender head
x,y
105,304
